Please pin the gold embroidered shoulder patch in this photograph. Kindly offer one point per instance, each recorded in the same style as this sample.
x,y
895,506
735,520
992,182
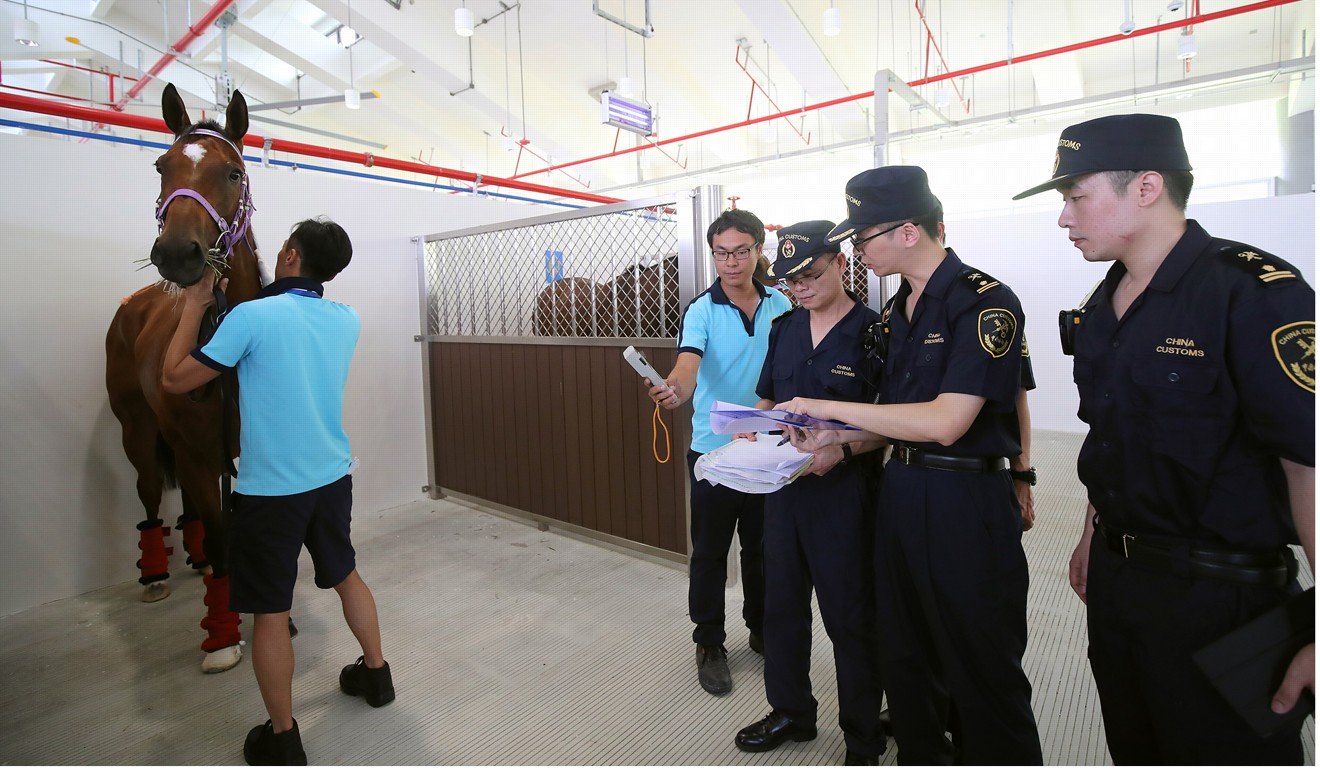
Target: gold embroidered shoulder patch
x,y
997,329
1294,349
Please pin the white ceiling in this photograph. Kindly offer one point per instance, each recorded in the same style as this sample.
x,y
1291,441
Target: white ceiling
x,y
414,59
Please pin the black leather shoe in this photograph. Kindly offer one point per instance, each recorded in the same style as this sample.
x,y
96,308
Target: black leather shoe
x,y
264,746
373,684
771,731
853,758
756,643
713,669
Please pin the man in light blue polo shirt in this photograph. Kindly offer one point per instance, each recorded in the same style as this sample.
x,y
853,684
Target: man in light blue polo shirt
x,y
721,346
292,350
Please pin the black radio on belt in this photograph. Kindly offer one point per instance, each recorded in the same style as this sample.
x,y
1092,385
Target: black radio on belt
x,y
1069,320
875,340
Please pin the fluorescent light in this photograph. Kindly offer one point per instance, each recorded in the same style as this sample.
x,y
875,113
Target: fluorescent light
x,y
832,21
464,23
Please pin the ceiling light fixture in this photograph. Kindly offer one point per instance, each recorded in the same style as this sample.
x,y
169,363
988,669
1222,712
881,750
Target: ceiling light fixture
x,y
1175,6
832,20
25,29
943,96
1186,46
464,23
626,87
1128,25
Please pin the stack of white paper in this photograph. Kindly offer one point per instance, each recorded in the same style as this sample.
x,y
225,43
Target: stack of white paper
x,y
756,467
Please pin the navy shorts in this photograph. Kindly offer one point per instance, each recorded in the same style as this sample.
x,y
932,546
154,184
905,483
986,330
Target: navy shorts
x,y
266,534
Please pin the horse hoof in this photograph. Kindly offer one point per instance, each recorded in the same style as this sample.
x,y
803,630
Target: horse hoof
x,y
154,592
222,659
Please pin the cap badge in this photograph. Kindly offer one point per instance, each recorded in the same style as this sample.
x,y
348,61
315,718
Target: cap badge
x,y
786,249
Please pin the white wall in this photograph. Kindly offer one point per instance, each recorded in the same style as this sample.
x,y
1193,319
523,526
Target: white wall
x,y
1032,255
74,217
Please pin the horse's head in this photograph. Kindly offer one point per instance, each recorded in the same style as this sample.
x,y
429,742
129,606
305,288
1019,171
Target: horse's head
x,y
204,205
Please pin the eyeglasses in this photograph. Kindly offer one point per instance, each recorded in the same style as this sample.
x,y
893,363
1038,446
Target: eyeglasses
x,y
739,255
857,243
799,280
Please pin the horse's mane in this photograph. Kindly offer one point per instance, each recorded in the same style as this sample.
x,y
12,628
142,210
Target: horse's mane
x,y
208,124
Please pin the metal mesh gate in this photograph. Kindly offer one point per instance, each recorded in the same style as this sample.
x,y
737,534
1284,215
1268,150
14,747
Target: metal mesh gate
x,y
609,274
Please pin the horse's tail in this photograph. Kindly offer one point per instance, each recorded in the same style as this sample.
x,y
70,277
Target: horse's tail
x,y
165,462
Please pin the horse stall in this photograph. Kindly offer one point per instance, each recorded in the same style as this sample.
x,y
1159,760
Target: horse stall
x,y
532,410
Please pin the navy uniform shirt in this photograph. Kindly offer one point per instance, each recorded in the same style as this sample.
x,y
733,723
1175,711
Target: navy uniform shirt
x,y
965,336
1208,378
836,370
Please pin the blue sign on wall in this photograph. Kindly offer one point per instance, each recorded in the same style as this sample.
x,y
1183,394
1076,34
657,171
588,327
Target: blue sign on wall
x,y
554,265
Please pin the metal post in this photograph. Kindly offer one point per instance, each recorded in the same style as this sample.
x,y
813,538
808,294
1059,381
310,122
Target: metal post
x,y
432,488
879,290
880,135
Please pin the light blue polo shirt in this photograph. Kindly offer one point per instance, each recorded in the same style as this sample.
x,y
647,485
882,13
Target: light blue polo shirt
x,y
292,349
732,349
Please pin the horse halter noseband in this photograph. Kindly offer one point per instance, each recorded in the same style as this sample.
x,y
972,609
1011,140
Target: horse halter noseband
x,y
231,232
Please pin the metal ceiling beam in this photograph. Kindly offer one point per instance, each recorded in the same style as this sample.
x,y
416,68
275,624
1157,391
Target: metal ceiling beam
x,y
410,37
794,46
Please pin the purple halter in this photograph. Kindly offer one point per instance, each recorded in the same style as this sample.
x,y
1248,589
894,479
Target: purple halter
x,y
230,232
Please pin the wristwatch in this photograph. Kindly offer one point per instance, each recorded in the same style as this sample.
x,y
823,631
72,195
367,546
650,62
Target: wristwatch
x,y
1029,476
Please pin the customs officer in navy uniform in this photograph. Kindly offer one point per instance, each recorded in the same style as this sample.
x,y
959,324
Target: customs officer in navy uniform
x,y
819,529
951,576
1195,365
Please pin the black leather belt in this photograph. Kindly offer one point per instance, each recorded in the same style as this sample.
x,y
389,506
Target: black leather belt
x,y
1273,568
910,455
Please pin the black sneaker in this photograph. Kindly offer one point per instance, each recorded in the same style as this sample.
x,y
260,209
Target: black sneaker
x,y
757,644
713,669
374,684
264,746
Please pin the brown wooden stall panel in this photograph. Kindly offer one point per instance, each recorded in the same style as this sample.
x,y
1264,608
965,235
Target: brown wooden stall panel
x,y
561,431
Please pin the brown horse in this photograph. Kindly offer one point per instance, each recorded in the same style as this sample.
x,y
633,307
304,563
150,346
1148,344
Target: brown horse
x,y
203,212
629,305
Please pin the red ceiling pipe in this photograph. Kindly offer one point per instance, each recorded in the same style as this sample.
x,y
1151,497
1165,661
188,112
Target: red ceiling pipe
x,y
1166,26
1258,6
86,69
47,93
180,45
144,123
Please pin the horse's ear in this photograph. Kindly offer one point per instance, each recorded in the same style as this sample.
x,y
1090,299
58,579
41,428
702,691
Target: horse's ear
x,y
236,118
176,117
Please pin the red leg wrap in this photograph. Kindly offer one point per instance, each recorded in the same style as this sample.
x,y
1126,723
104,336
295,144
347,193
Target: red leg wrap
x,y
194,534
155,561
220,623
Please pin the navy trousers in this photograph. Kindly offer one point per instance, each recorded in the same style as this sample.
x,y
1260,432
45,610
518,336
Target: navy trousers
x,y
951,595
819,532
1159,708
717,512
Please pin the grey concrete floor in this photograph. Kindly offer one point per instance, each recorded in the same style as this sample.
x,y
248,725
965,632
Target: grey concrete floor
x,y
509,646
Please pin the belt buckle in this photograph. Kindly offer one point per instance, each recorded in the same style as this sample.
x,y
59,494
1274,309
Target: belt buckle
x,y
905,454
1126,538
